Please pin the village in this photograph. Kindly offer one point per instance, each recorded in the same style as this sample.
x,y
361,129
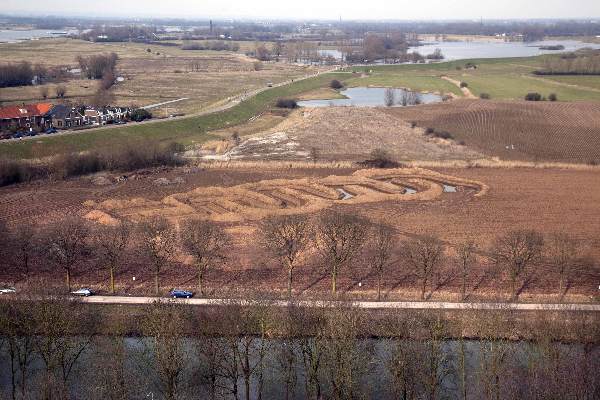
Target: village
x,y
19,121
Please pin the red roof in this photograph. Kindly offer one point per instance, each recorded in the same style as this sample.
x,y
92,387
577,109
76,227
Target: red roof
x,y
25,111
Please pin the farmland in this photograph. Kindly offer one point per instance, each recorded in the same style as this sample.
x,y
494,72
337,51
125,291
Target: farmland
x,y
509,202
561,132
161,74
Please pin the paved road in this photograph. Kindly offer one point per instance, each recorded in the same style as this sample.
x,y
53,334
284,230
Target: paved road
x,y
402,305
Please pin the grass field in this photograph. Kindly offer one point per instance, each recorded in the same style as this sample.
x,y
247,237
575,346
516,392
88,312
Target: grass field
x,y
186,130
505,79
165,73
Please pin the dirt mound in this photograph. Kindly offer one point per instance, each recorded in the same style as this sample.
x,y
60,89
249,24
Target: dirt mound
x,y
531,131
348,133
254,201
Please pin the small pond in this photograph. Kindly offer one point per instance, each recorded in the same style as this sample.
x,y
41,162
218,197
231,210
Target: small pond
x,y
368,97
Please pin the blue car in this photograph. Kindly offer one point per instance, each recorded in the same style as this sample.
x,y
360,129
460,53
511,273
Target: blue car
x,y
50,131
181,294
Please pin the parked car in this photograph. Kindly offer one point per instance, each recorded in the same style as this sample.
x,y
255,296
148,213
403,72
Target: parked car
x,y
270,84
8,290
51,130
181,294
83,292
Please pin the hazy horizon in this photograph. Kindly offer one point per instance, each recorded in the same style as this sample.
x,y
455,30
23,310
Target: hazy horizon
x,y
313,9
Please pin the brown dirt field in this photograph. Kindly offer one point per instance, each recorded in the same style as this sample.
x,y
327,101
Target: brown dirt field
x,y
549,200
347,133
150,77
519,130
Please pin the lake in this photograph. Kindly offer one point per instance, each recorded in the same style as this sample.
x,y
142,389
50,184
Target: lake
x,y
481,49
13,36
366,97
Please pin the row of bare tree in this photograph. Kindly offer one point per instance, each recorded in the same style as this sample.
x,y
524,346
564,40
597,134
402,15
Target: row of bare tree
x,y
59,349
334,239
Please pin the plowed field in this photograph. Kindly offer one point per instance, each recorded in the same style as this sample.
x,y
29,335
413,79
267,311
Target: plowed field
x,y
532,131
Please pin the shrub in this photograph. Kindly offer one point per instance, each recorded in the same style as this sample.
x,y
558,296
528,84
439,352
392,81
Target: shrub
x,y
379,158
464,84
442,135
335,84
553,97
429,131
140,114
533,96
413,124
286,103
20,74
484,96
12,172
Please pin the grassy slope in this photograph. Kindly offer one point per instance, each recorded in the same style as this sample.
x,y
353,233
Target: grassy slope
x,y
508,78
184,130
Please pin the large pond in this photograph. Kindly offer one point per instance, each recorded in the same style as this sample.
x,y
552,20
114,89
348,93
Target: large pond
x,y
368,97
285,366
498,49
487,49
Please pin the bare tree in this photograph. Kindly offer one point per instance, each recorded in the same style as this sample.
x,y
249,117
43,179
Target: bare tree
x,y
389,97
24,244
16,326
61,91
66,244
158,240
518,251
424,255
207,243
111,244
60,341
285,238
339,239
562,254
382,237
466,258
163,322
314,154
44,92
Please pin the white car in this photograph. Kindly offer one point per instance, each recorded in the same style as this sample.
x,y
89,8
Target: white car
x,y
8,290
84,292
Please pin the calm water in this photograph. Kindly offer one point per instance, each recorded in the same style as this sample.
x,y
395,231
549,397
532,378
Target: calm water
x,y
365,97
465,50
12,36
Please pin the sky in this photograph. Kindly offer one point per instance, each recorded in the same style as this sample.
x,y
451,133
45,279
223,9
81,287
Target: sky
x,y
312,9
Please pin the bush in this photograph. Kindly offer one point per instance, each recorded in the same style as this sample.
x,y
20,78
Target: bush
x,y
286,103
12,172
534,96
553,97
380,158
464,84
484,96
20,74
140,114
335,84
429,131
442,135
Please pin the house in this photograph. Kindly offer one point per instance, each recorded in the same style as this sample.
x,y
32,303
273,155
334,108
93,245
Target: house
x,y
62,116
106,115
24,117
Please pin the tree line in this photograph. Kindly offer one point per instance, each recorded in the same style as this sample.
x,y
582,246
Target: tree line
x,y
61,349
334,241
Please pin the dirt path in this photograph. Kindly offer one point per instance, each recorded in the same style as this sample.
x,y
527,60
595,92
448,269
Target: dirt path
x,y
400,305
569,85
465,90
